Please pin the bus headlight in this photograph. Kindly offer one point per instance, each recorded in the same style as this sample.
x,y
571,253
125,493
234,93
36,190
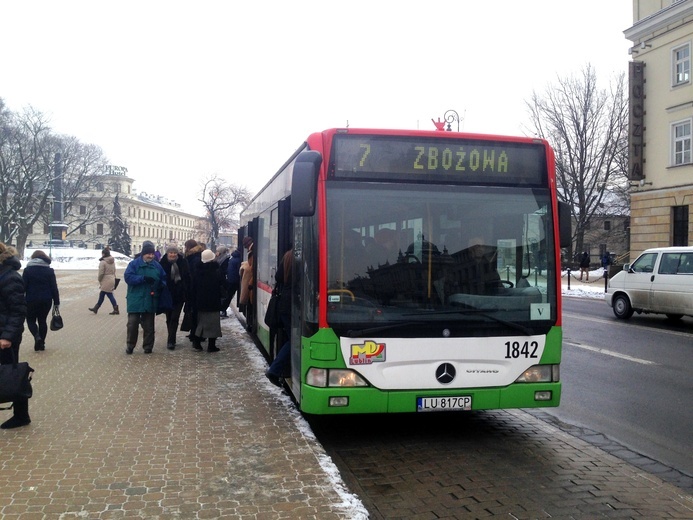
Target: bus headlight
x,y
540,374
323,377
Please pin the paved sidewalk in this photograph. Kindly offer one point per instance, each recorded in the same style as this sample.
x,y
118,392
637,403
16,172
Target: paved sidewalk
x,y
175,434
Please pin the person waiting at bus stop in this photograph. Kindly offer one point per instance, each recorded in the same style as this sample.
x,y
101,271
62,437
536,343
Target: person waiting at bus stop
x,y
207,283
145,279
178,283
281,366
12,315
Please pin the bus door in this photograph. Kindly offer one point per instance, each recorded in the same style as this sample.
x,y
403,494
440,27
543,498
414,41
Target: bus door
x,y
250,313
280,239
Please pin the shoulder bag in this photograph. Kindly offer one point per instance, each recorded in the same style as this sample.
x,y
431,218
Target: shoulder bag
x,y
15,381
57,319
272,318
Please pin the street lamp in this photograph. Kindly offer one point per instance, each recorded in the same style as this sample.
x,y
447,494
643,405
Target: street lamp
x,y
451,116
50,199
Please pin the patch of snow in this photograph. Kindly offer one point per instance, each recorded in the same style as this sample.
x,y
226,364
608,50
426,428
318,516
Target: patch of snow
x,y
76,258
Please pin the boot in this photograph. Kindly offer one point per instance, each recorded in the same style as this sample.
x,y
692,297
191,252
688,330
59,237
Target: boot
x,y
95,308
20,417
37,344
212,345
115,310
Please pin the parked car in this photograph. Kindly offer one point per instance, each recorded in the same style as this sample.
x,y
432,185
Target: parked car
x,y
660,281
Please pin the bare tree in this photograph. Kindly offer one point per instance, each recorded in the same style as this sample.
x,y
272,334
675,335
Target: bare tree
x,y
223,202
587,128
27,174
86,198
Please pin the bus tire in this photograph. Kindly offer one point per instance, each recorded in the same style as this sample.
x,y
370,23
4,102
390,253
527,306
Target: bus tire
x,y
622,307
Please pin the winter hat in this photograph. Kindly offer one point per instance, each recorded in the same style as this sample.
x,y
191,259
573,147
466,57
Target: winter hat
x,y
7,252
40,254
105,252
172,249
207,256
147,247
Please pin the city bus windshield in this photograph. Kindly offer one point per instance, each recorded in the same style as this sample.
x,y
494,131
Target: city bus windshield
x,y
402,257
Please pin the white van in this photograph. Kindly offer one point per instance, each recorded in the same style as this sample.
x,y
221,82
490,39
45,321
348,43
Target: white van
x,y
660,281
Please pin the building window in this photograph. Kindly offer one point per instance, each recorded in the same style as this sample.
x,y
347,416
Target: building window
x,y
99,229
99,209
681,142
681,57
99,186
46,229
679,217
82,210
607,225
82,230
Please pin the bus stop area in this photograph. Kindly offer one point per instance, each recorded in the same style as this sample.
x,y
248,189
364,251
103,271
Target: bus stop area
x,y
192,435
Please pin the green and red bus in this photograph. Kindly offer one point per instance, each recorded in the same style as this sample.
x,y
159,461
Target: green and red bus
x,y
426,273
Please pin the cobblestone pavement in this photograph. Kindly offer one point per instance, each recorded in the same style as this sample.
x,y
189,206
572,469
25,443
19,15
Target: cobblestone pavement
x,y
175,434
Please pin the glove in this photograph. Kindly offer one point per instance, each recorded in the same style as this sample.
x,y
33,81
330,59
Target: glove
x,y
149,279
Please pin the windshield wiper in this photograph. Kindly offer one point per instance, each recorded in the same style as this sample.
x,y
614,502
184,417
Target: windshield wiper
x,y
480,312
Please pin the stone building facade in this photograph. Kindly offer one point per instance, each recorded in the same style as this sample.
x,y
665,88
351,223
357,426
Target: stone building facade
x,y
147,216
661,124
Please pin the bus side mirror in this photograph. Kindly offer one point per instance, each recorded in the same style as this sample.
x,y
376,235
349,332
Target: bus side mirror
x,y
304,183
565,230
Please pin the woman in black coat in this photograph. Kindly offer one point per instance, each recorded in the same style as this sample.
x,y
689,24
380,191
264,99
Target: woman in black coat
x,y
178,284
12,315
207,282
41,294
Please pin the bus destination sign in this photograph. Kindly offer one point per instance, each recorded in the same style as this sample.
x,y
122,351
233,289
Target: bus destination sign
x,y
371,157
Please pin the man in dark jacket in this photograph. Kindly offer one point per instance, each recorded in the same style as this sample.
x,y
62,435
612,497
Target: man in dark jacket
x,y
146,279
12,316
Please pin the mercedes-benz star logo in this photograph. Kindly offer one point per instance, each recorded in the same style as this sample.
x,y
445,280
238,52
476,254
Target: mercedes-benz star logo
x,y
445,373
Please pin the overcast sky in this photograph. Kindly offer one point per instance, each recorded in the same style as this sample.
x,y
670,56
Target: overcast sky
x,y
176,91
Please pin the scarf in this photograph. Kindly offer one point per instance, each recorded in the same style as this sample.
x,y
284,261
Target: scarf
x,y
175,273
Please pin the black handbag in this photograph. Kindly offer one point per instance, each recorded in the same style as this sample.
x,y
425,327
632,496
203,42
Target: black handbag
x,y
187,323
117,281
15,381
272,318
57,319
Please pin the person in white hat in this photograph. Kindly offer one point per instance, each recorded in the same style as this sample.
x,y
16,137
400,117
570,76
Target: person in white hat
x,y
208,281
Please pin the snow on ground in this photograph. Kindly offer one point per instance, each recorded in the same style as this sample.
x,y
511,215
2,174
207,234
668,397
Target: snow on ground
x,y
76,258
592,289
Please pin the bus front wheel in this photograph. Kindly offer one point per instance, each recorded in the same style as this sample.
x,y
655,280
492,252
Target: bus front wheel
x,y
622,307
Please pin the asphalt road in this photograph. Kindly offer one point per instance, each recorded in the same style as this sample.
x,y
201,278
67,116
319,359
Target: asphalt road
x,y
631,380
